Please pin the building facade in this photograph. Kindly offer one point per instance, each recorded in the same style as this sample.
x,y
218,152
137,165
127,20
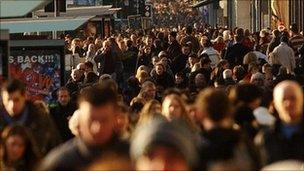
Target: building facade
x,y
254,14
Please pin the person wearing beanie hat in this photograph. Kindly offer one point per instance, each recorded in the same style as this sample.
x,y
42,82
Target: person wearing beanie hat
x,y
162,145
284,55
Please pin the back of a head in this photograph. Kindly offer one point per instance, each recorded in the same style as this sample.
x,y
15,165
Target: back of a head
x,y
257,75
207,43
89,64
98,95
284,39
91,77
245,93
208,99
173,34
249,58
13,85
227,73
276,33
294,28
160,133
239,72
240,32
189,30
129,43
104,77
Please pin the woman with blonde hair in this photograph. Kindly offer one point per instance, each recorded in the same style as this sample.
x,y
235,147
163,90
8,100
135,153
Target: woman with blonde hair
x,y
150,111
174,107
142,76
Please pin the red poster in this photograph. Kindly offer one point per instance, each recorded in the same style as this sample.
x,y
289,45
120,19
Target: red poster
x,y
38,69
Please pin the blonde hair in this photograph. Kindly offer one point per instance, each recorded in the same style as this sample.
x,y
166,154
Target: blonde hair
x,y
249,58
184,113
226,35
148,112
142,74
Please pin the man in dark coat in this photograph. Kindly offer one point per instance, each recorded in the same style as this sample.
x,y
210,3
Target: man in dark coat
x,y
174,48
129,61
62,112
106,61
17,110
274,42
235,54
74,83
162,79
179,62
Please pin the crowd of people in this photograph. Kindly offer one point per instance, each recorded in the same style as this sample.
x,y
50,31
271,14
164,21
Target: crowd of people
x,y
165,99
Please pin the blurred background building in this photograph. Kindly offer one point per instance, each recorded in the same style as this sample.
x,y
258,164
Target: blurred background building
x,y
252,14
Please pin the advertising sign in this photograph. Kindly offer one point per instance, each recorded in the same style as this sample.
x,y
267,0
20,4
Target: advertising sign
x,y
39,69
135,22
4,41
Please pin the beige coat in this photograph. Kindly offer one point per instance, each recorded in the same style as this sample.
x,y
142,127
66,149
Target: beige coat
x,y
283,55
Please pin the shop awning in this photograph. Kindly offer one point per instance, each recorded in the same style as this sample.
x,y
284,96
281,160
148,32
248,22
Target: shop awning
x,y
19,8
83,11
22,25
203,3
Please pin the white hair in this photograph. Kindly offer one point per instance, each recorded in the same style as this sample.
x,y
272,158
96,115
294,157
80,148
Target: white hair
x,y
227,73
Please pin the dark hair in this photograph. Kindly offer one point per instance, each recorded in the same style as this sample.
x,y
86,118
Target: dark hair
x,y
189,30
207,43
14,85
215,103
294,28
129,43
173,34
284,39
240,32
136,107
192,55
204,59
98,95
204,55
91,77
276,33
180,74
245,93
239,73
31,154
62,89
89,64
186,45
157,43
